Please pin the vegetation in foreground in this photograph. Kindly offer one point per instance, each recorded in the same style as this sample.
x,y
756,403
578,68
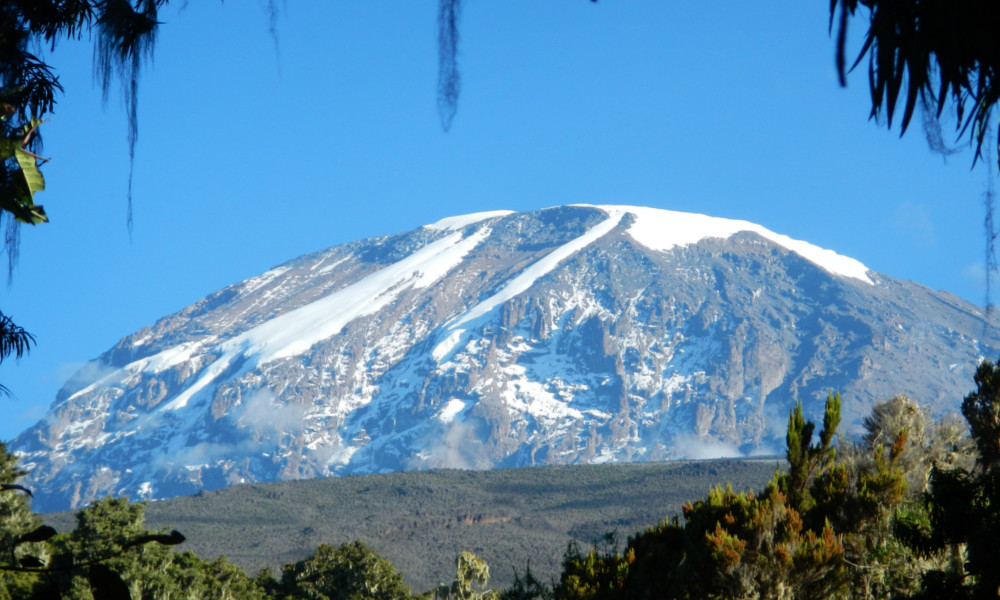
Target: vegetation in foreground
x,y
911,510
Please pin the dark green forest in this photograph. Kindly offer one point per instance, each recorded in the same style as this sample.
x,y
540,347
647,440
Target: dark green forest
x,y
909,509
421,520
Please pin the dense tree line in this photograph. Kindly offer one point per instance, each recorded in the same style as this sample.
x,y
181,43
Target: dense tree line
x,y
911,509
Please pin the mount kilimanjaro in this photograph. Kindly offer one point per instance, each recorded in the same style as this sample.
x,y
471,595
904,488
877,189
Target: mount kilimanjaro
x,y
576,334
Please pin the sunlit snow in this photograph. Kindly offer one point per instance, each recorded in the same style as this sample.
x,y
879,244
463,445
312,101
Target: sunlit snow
x,y
460,221
296,331
660,229
523,281
450,409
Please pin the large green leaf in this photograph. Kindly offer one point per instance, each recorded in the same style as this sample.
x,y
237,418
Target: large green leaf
x,y
8,147
18,197
19,205
36,183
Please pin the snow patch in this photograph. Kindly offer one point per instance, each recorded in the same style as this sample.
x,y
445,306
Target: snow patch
x,y
331,266
260,281
660,229
174,355
461,221
523,281
295,332
450,410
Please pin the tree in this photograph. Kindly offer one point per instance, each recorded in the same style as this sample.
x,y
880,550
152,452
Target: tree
x,y
351,571
111,554
600,573
527,587
841,522
16,522
868,488
470,572
964,505
775,544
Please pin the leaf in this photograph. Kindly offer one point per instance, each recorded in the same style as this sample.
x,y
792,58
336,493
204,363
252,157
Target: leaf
x,y
170,539
14,486
36,183
30,562
8,147
106,584
40,534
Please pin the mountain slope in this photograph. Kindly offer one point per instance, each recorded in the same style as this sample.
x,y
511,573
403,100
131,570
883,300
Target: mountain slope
x,y
579,334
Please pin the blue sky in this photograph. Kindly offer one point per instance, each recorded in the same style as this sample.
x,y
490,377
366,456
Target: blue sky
x,y
251,153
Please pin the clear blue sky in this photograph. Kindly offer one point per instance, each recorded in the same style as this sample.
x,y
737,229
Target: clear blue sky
x,y
251,154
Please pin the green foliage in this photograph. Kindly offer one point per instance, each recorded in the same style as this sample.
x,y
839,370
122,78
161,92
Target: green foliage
x,y
28,87
808,462
108,556
963,506
598,574
527,587
824,529
14,341
16,524
351,571
981,410
731,545
107,547
471,572
744,543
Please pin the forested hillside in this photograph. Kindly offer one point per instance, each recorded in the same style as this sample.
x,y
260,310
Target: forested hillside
x,y
422,520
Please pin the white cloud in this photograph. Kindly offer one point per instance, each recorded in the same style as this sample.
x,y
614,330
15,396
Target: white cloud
x,y
697,448
82,374
454,446
262,414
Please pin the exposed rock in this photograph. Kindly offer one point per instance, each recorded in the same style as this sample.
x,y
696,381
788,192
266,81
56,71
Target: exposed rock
x,y
568,335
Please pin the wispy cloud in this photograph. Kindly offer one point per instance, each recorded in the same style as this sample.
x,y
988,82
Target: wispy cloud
x,y
77,375
912,219
453,445
693,447
264,415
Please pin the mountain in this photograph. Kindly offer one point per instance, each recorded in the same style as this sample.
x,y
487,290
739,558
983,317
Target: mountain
x,y
576,334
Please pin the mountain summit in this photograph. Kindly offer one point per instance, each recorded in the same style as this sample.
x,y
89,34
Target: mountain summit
x,y
576,334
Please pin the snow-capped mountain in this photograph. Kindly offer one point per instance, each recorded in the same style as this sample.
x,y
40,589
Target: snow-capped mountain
x,y
567,335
